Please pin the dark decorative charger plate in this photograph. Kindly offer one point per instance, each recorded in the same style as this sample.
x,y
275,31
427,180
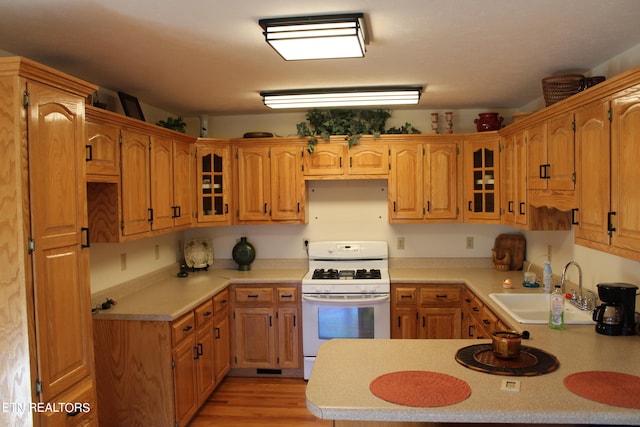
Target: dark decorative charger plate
x,y
531,361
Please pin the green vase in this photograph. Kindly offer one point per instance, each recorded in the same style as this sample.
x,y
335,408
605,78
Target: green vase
x,y
243,254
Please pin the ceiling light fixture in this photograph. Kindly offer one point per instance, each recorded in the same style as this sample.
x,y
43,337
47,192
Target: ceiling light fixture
x,y
342,97
316,37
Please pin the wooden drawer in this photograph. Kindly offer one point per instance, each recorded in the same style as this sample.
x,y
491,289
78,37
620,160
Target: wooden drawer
x,y
488,319
221,301
404,296
183,328
79,403
253,296
441,296
287,295
204,313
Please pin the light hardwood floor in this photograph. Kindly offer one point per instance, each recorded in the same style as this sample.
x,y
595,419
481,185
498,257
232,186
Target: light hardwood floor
x,y
246,402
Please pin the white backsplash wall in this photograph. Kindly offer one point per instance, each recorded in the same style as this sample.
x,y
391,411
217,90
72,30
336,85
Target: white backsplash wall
x,y
354,210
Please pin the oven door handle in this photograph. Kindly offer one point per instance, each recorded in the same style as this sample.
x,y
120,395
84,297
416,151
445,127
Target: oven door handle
x,y
354,301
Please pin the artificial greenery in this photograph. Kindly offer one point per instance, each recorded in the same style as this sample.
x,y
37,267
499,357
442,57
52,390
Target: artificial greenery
x,y
353,123
176,124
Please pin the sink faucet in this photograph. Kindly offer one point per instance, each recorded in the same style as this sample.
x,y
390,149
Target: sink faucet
x,y
579,300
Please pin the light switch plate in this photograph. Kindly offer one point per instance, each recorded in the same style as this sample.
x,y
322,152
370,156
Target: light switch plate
x,y
510,385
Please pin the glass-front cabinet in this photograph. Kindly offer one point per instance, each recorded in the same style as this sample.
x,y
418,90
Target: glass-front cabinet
x,y
482,178
214,182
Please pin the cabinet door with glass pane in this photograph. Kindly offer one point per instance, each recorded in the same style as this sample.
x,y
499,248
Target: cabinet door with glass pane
x,y
213,182
482,178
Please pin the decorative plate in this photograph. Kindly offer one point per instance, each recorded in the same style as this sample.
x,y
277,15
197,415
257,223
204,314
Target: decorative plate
x,y
198,253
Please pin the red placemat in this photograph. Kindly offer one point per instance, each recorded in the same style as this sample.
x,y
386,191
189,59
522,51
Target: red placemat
x,y
611,388
420,388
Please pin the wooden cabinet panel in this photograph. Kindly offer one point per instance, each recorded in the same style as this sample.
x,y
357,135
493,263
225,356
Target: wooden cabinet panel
x,y
221,344
161,164
255,337
441,181
103,148
80,404
254,183
404,322
253,296
287,185
537,156
184,374
327,159
204,313
135,188
482,178
205,362
368,159
183,207
213,182
406,195
593,172
288,337
561,153
439,323
183,328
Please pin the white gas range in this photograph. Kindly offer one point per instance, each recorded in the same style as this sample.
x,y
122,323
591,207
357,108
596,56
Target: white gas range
x,y
345,294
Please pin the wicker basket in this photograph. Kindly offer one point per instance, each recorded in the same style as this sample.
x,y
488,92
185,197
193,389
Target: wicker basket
x,y
560,86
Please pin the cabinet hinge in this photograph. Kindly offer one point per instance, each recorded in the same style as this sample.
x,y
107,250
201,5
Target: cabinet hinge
x,y
573,177
610,114
38,387
31,245
573,125
173,364
120,139
25,99
457,150
122,225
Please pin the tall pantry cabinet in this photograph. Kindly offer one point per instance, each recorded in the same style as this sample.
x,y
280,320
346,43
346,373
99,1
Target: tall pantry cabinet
x,y
45,290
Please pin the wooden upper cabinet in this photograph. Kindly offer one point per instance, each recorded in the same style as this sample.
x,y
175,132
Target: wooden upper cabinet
x,y
593,172
625,198
368,159
514,181
103,148
183,207
137,214
327,159
441,182
161,153
551,154
336,160
406,195
269,183
213,182
482,178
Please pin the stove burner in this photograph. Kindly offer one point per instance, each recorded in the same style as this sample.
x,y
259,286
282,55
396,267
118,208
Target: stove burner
x,y
321,273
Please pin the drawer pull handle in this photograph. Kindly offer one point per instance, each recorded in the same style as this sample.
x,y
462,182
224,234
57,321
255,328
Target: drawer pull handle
x,y
476,309
187,328
406,296
207,314
286,296
442,296
74,413
486,322
253,296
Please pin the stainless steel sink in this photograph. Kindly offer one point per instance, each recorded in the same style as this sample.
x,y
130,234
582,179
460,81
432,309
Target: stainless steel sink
x,y
534,309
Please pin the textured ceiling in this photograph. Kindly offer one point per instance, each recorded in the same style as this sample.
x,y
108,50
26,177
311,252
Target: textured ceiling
x,y
204,56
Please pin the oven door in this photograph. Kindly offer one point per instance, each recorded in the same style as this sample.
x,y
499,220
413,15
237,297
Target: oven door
x,y
327,316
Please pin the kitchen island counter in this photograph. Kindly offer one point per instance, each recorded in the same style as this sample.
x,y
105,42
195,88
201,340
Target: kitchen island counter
x,y
339,385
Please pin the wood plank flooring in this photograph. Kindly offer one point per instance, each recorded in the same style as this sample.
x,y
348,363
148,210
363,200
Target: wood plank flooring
x,y
265,402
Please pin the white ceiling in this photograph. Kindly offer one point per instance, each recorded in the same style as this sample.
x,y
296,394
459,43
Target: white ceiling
x,y
206,56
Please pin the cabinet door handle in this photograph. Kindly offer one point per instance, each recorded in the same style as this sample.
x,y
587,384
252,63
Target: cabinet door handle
x,y
429,206
399,322
89,153
510,206
340,161
424,321
196,353
265,208
217,333
200,350
294,320
350,162
470,208
87,239
226,208
150,214
610,227
574,211
522,205
394,206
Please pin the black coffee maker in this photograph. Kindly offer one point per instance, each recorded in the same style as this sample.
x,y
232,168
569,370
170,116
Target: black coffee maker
x,y
616,314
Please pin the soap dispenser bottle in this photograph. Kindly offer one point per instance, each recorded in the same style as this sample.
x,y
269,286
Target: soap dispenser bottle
x,y
547,277
556,309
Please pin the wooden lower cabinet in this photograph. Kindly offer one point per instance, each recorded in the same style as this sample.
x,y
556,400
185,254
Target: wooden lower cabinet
x,y
157,372
266,327
478,321
426,310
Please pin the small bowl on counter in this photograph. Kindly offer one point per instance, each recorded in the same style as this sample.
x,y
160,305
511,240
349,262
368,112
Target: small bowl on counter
x,y
506,344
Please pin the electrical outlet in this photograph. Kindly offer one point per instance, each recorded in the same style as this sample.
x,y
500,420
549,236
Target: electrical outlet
x,y
469,242
123,262
157,250
401,243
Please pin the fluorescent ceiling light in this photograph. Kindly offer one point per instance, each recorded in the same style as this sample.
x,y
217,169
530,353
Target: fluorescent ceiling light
x,y
343,97
316,37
